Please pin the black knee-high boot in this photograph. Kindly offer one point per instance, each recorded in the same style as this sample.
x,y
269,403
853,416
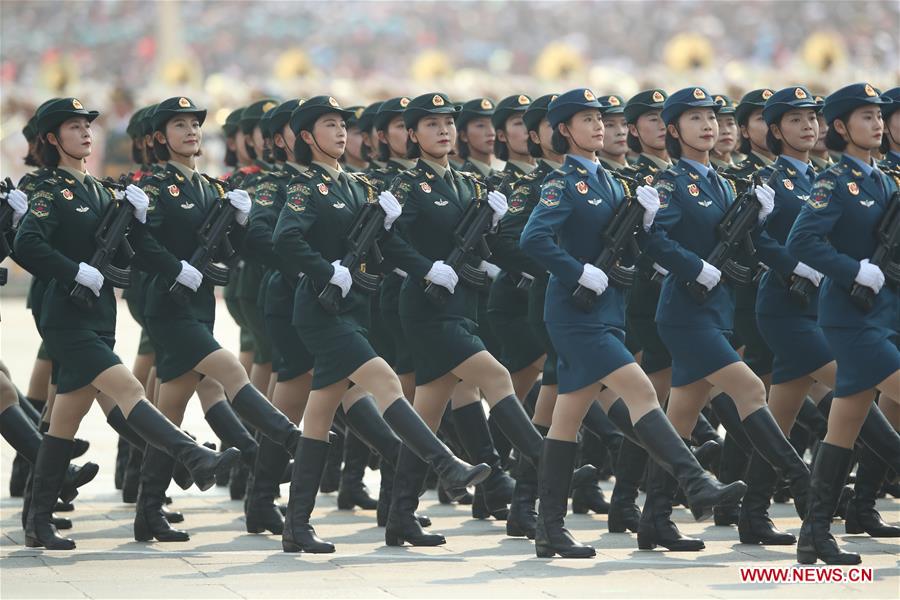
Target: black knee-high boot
x,y
656,527
880,437
732,467
331,477
352,492
149,520
522,518
812,420
828,475
862,517
122,451
754,524
551,536
46,480
132,481
494,495
260,509
517,427
402,525
604,435
298,534
259,413
623,511
158,431
409,426
228,427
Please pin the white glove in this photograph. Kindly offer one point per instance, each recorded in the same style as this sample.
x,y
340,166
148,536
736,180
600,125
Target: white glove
x,y
400,272
648,197
139,200
189,277
391,208
659,269
18,201
491,269
709,276
594,279
870,275
341,278
443,275
241,201
90,278
766,197
497,202
807,272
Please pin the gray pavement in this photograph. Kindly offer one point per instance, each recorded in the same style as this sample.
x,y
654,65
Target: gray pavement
x,y
222,561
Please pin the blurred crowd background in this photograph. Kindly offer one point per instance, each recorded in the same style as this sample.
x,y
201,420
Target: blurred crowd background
x,y
119,55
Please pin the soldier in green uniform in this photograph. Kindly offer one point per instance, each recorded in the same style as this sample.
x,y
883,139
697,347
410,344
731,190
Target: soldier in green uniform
x,y
321,204
511,141
722,156
369,150
476,137
57,238
352,160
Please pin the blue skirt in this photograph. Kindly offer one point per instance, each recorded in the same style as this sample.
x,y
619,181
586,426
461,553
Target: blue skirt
x,y
798,343
865,356
697,353
587,353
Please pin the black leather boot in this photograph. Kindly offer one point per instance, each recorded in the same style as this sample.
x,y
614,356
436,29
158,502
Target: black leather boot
x,y
623,511
492,497
402,525
260,509
662,443
770,443
228,427
331,478
517,427
522,518
812,420
298,534
259,413
555,476
157,430
862,517
656,527
409,426
46,480
754,525
132,481
352,492
816,542
589,496
122,450
149,520
732,467
879,436
501,442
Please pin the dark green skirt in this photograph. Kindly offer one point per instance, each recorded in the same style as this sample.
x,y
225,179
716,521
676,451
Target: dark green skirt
x,y
180,344
80,356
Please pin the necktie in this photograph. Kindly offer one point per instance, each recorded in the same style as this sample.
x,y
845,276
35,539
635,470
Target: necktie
x,y
448,177
91,184
198,185
878,182
714,182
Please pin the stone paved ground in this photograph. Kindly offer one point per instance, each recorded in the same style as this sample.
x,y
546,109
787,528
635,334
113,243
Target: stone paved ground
x,y
222,561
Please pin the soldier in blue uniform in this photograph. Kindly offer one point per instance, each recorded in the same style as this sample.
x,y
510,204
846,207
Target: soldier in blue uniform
x,y
890,144
56,238
614,153
320,206
693,200
722,156
830,236
577,201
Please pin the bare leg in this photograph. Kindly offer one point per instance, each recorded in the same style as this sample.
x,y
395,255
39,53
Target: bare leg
x,y
290,396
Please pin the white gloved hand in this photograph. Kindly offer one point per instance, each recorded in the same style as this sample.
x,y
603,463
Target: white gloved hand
x,y
241,201
766,197
90,278
139,200
594,279
491,269
807,272
709,276
497,202
659,269
391,207
189,277
870,275
341,278
648,197
443,275
18,201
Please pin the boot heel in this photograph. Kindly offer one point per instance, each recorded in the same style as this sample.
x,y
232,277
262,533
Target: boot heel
x,y
807,556
392,539
543,551
644,544
514,530
33,543
290,546
141,531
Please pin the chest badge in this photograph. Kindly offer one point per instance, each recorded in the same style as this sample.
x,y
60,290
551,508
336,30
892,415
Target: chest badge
x,y
852,187
705,203
694,176
82,209
187,205
595,201
323,189
582,187
867,203
429,175
441,203
649,179
425,187
67,194
693,190
174,191
339,205
788,184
